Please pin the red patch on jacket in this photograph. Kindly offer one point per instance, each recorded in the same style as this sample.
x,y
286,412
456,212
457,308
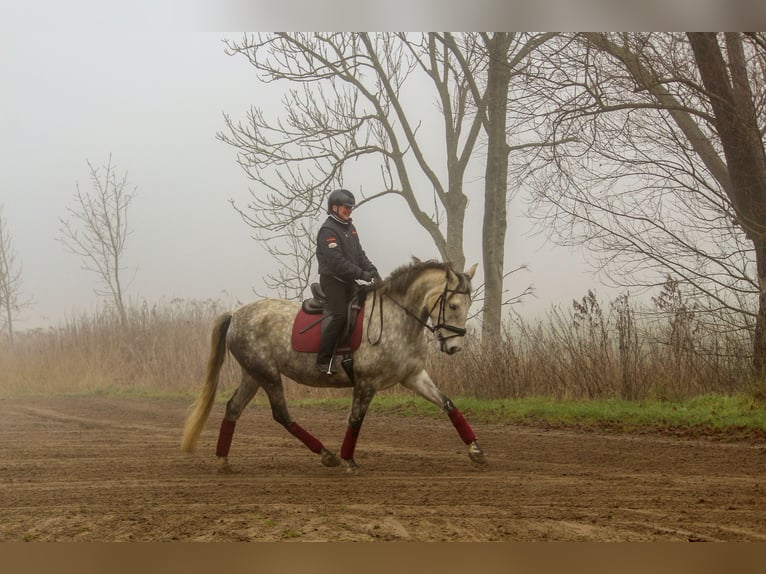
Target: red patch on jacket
x,y
307,334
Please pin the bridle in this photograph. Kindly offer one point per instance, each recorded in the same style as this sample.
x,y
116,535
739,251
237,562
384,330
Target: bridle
x,y
441,318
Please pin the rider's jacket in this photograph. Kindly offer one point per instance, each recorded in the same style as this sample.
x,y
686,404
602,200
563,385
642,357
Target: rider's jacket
x,y
339,252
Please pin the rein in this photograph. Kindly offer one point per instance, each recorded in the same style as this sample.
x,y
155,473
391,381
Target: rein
x,y
441,317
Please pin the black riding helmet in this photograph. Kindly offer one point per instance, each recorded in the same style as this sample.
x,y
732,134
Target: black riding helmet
x,y
340,197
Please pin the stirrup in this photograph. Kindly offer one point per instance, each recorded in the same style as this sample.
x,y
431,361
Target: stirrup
x,y
326,369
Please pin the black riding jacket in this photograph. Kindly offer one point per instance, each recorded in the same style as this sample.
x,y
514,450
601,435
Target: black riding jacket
x,y
339,252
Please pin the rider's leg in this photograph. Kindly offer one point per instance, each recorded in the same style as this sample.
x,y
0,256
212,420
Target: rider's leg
x,y
336,294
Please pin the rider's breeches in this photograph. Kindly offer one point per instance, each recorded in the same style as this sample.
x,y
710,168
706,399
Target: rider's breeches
x,y
337,295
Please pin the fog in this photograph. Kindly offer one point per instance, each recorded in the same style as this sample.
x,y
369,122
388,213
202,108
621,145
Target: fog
x,y
154,100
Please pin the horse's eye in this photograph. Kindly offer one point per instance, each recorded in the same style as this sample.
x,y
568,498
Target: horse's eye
x,y
452,306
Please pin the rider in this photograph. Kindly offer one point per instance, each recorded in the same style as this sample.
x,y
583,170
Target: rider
x,y
341,262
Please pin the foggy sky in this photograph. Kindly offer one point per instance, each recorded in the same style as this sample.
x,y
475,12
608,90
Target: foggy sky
x,y
153,98
84,79
154,101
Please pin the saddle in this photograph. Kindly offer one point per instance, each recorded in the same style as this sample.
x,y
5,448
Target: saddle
x,y
307,325
316,303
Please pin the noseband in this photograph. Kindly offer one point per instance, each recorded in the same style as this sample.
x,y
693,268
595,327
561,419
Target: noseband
x,y
441,318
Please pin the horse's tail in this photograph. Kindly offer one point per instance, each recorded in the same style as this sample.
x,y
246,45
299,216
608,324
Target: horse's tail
x,y
200,410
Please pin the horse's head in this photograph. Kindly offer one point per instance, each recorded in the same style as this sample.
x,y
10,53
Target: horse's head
x,y
449,310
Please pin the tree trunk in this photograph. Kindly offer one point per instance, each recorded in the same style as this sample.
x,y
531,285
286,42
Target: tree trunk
x,y
737,126
456,203
759,335
9,320
496,185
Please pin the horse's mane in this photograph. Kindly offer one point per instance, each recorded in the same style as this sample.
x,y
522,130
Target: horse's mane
x,y
400,279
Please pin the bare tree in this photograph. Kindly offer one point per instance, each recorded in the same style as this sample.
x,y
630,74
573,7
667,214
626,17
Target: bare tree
x,y
731,83
500,57
354,101
293,249
349,106
97,229
11,301
654,178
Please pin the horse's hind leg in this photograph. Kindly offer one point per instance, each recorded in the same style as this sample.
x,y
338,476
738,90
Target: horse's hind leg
x,y
279,411
422,385
248,386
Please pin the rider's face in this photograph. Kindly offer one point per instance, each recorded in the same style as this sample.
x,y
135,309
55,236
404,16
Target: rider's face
x,y
343,211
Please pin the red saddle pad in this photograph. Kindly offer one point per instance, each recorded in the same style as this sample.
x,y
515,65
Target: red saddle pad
x,y
307,332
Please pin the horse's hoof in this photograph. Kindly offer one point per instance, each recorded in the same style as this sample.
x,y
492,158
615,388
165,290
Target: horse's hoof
x,y
476,454
224,466
351,466
329,458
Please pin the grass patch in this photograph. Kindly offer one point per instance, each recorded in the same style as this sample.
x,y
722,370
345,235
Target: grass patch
x,y
734,417
738,416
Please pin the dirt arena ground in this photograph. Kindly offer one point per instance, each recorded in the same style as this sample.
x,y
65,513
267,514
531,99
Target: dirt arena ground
x,y
109,469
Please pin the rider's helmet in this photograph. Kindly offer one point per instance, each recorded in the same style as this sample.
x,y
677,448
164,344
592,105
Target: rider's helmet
x,y
340,197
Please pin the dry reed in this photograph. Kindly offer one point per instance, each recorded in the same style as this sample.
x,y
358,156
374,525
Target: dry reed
x,y
586,352
580,353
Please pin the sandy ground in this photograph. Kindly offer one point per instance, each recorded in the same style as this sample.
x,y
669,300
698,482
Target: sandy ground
x,y
110,469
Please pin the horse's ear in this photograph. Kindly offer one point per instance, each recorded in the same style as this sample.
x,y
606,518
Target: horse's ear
x,y
472,270
415,260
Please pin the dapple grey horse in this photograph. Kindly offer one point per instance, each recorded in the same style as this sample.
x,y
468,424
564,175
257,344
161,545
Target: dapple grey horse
x,y
424,295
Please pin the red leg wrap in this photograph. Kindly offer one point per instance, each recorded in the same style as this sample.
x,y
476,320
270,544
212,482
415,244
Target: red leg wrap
x,y
349,443
462,426
313,443
224,437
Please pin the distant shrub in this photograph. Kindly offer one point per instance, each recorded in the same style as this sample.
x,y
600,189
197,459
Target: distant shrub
x,y
672,351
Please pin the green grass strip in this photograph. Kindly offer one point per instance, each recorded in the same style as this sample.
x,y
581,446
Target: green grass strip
x,y
737,416
732,417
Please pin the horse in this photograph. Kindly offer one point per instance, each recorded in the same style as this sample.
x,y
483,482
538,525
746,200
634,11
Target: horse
x,y
396,314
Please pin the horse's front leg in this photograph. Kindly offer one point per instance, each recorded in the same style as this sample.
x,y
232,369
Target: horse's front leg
x,y
464,430
363,394
423,386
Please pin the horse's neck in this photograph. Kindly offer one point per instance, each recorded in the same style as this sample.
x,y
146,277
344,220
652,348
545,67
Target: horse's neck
x,y
426,289
422,294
